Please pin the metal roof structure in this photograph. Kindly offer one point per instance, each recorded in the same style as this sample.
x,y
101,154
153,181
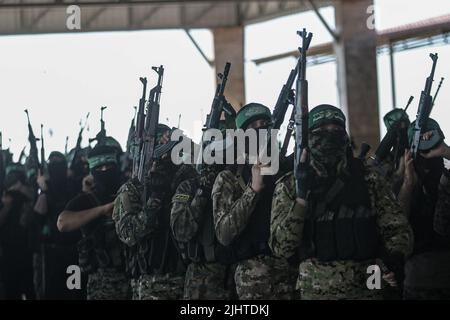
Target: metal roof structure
x,y
50,16
431,31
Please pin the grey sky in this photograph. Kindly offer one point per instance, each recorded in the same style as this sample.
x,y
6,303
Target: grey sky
x,y
62,77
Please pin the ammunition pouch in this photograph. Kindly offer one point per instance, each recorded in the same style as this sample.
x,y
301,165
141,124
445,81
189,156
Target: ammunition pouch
x,y
346,235
341,225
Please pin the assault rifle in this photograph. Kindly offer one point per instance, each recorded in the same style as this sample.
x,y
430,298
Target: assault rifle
x,y
79,140
285,98
138,135
423,114
150,131
34,158
220,104
101,135
301,112
42,165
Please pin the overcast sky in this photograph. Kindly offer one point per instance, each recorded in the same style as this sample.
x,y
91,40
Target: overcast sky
x,y
60,78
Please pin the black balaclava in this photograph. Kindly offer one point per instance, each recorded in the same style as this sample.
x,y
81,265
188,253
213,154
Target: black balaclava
x,y
107,182
57,171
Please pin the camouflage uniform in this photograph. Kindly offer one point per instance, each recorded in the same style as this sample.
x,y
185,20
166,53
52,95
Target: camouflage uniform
x,y
204,279
108,284
259,276
153,261
337,279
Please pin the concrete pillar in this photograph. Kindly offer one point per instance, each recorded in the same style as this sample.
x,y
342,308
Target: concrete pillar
x,y
357,70
229,47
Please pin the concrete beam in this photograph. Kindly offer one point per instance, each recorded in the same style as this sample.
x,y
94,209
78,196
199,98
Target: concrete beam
x,y
357,70
229,47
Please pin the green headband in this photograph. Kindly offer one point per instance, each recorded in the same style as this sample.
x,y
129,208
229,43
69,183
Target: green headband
x,y
102,159
325,114
251,112
394,116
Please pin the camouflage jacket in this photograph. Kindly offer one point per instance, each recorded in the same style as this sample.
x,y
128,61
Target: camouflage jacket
x,y
136,221
187,210
442,211
233,204
288,217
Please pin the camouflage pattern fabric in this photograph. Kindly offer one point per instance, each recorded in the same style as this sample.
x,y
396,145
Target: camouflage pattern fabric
x,y
287,229
132,221
336,280
161,287
187,211
106,284
264,278
202,281
207,282
386,169
233,204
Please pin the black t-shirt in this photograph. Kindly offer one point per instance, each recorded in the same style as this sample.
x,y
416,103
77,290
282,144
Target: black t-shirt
x,y
83,201
86,201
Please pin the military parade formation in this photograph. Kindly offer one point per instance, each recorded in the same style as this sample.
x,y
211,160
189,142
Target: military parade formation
x,y
142,226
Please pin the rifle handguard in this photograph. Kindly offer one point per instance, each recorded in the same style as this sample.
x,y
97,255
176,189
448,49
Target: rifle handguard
x,y
303,180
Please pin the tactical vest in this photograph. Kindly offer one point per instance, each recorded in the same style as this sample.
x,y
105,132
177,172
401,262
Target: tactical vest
x,y
100,247
204,247
156,253
340,224
254,239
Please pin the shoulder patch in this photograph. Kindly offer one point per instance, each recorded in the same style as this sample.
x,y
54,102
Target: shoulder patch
x,y
182,197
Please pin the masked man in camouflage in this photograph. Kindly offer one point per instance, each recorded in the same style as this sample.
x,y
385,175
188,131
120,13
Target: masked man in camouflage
x,y
242,199
101,254
344,219
425,196
152,258
207,275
